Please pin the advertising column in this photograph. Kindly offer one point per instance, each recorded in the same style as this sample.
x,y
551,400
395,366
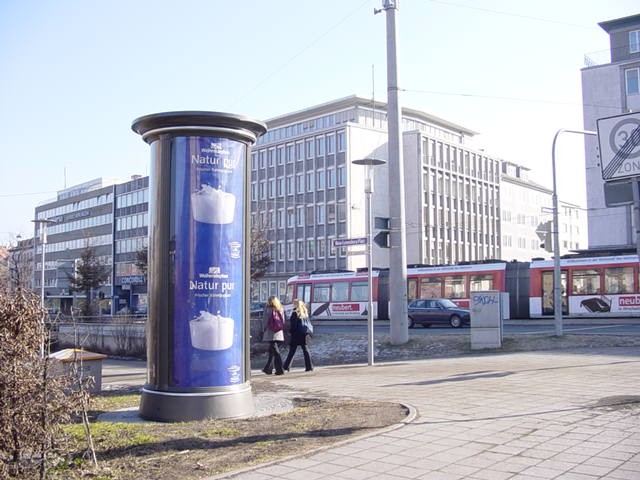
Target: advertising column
x,y
197,335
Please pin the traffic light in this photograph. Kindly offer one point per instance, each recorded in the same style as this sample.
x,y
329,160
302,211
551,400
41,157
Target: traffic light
x,y
382,237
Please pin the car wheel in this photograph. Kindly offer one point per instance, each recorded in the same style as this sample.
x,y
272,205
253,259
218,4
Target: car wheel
x,y
411,323
455,321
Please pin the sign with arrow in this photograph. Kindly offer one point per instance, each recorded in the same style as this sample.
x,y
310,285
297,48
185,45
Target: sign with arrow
x,y
619,139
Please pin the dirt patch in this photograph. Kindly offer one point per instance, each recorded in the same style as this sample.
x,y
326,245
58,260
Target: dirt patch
x,y
193,450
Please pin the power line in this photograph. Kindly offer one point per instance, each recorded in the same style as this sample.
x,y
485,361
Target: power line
x,y
510,99
8,195
509,14
299,53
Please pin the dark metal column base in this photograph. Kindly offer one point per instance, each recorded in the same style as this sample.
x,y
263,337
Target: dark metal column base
x,y
184,407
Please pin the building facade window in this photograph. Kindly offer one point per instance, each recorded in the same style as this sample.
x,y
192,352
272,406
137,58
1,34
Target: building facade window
x,y
632,80
341,140
310,182
319,146
331,144
309,148
634,41
280,155
331,178
341,177
281,218
300,216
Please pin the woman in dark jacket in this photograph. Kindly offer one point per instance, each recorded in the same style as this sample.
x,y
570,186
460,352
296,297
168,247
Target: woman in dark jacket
x,y
299,334
273,338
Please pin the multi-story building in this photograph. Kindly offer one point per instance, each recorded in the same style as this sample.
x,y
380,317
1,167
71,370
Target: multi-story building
x,y
80,216
307,192
452,197
93,214
526,212
610,87
131,241
461,204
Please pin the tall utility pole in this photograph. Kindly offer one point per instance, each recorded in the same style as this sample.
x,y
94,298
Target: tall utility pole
x,y
399,331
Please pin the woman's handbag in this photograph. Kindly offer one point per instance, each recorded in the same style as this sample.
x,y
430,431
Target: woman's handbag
x,y
307,325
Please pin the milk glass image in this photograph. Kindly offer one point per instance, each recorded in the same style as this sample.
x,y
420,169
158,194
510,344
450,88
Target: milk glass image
x,y
211,332
213,205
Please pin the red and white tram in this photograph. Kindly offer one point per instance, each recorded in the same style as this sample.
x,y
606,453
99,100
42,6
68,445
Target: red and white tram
x,y
343,295
590,286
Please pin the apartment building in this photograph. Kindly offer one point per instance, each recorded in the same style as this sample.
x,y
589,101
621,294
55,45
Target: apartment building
x,y
526,212
610,86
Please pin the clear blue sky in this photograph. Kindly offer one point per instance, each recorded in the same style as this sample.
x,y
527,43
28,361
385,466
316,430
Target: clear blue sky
x,y
75,73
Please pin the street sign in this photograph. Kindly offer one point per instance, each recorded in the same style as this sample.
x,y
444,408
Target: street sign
x,y
619,139
356,252
345,242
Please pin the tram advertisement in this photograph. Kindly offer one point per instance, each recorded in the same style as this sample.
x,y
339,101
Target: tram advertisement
x,y
208,234
605,304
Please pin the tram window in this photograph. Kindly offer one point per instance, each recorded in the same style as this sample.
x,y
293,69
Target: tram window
x,y
321,293
481,282
288,297
340,292
454,287
585,282
359,292
618,280
412,288
431,287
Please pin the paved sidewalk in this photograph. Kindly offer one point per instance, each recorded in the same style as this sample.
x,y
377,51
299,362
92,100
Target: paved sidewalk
x,y
542,415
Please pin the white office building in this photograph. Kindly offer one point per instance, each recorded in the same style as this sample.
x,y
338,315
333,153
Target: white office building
x,y
306,191
526,213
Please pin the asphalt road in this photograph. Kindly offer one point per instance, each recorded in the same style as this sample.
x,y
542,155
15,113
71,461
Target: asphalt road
x,y
610,328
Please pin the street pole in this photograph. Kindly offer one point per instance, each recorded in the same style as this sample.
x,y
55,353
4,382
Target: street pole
x,y
398,323
557,274
43,242
368,190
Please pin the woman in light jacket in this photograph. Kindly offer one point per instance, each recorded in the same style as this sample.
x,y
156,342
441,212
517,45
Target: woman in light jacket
x,y
274,338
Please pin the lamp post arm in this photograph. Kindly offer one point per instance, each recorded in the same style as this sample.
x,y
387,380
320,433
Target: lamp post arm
x,y
557,274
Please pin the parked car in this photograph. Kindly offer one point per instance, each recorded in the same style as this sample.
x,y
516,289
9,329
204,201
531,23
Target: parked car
x,y
429,311
256,309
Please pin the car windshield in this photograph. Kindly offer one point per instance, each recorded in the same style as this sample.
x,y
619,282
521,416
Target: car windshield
x,y
446,303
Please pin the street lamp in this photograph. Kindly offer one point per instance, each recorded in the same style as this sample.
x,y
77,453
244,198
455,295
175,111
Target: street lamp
x,y
557,277
368,190
42,223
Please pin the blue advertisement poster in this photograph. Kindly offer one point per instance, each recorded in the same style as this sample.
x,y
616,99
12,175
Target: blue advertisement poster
x,y
207,240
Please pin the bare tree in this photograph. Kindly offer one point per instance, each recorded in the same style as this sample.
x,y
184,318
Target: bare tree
x,y
16,265
34,401
142,260
260,250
